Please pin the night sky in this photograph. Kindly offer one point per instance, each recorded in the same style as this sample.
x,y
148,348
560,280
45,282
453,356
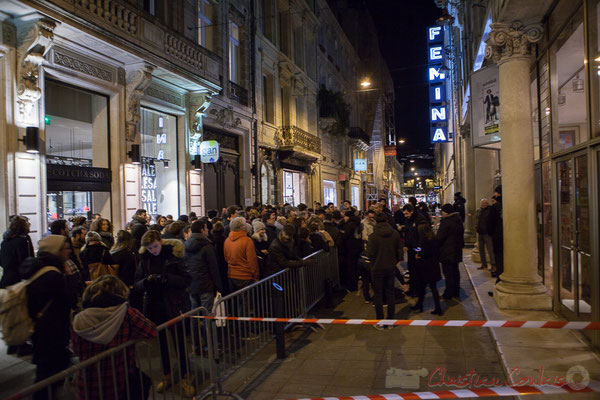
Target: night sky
x,y
402,27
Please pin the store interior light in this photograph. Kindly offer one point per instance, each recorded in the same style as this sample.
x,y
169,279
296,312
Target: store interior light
x,y
134,154
197,163
31,140
365,83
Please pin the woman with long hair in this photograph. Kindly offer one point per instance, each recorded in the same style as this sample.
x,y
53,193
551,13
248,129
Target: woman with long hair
x,y
123,255
105,229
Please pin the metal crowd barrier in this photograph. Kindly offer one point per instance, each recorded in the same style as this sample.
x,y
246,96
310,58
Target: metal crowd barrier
x,y
182,331
210,353
287,294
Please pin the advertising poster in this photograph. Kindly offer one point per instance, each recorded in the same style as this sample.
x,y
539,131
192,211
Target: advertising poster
x,y
485,96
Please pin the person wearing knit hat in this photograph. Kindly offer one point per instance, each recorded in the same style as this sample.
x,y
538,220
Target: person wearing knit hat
x,y
51,296
52,244
92,236
258,226
448,208
94,252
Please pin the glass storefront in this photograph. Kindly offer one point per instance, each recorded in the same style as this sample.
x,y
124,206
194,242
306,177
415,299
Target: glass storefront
x,y
76,130
329,192
294,187
355,196
160,188
267,183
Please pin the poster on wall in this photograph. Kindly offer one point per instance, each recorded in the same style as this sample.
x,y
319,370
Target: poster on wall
x,y
485,106
149,202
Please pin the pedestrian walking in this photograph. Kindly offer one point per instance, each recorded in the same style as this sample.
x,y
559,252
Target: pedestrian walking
x,y
50,299
162,279
450,238
106,322
484,237
427,267
384,249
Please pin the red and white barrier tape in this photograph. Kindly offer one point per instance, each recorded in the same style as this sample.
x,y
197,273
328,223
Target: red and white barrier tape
x,y
593,387
575,325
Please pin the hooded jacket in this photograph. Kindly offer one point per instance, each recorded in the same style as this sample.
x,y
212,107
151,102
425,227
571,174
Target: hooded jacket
x,y
384,248
137,228
106,322
241,257
282,255
201,262
450,237
166,295
13,251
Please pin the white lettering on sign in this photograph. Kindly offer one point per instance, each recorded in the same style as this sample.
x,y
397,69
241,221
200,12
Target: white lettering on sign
x,y
161,139
435,53
434,32
434,74
160,155
438,93
439,135
438,114
149,202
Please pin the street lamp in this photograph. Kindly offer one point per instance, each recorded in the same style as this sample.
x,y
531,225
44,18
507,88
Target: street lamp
x,y
412,168
412,160
365,83
401,141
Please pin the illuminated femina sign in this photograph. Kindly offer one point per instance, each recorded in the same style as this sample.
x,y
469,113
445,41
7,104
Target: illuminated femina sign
x,y
436,77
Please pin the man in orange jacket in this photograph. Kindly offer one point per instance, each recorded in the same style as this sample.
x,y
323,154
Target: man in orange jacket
x,y
240,256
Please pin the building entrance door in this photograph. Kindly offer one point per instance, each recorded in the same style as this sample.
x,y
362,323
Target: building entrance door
x,y
574,255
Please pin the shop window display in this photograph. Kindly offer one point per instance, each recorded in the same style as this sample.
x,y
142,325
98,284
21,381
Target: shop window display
x,y
159,191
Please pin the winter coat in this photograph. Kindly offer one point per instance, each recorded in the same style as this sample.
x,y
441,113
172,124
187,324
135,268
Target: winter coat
x,y
57,292
76,245
241,257
107,239
496,226
351,236
261,246
450,237
399,218
218,240
94,252
166,296
334,232
428,265
482,220
201,263
13,251
459,207
127,262
384,249
411,234
304,248
282,255
137,228
105,323
318,242
367,228
271,233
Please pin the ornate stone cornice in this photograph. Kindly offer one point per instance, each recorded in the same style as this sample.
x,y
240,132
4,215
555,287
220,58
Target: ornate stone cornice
x,y
137,80
509,41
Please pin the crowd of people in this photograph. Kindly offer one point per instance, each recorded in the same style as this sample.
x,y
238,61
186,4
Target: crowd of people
x,y
109,287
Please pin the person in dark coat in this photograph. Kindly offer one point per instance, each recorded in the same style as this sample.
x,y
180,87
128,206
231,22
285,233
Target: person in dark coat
x,y
459,205
163,279
218,238
269,219
261,244
353,246
317,240
384,249
411,241
497,232
94,251
50,299
333,230
16,247
282,252
427,267
450,238
105,229
424,209
201,263
303,245
123,255
138,226
484,237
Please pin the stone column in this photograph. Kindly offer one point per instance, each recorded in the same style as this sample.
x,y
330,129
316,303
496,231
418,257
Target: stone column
x,y
520,286
468,184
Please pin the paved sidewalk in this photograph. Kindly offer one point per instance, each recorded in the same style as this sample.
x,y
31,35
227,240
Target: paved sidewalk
x,y
531,352
15,373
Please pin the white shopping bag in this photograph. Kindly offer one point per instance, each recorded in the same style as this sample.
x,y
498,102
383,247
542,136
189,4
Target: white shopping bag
x,y
219,311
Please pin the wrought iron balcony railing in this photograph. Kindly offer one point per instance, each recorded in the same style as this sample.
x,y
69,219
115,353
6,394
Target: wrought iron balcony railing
x,y
293,138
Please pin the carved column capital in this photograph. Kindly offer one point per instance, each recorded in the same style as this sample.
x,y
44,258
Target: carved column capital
x,y
137,79
506,42
35,37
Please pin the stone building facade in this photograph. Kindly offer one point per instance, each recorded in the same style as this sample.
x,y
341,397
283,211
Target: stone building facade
x,y
545,59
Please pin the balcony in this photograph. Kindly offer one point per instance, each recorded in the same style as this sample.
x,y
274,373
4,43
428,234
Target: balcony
x,y
301,143
238,93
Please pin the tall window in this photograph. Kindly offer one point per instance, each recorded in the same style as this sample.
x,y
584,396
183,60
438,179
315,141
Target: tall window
x,y
268,106
234,53
206,19
329,192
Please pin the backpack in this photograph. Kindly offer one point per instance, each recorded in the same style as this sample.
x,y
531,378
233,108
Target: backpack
x,y
98,269
17,325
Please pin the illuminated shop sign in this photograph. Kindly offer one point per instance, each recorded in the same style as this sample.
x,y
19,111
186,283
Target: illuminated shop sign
x,y
360,164
209,151
436,76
